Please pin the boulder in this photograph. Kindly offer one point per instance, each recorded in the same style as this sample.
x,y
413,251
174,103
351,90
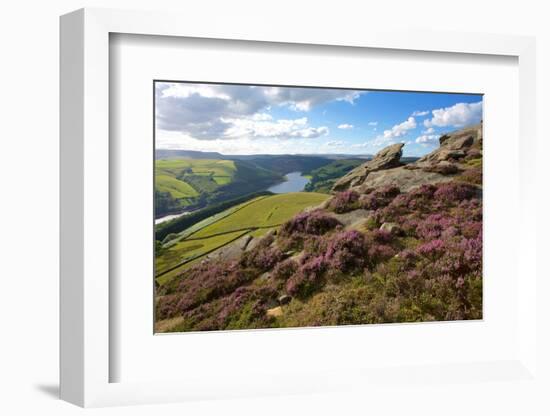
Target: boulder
x,y
405,179
473,154
284,299
235,249
387,158
243,242
462,142
443,139
275,312
450,154
392,228
444,167
441,165
453,145
351,218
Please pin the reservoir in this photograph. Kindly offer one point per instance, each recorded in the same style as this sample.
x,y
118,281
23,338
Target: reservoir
x,y
295,182
169,217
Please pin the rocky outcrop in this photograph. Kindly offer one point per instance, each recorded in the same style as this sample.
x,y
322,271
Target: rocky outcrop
x,y
392,228
234,250
441,165
453,149
387,158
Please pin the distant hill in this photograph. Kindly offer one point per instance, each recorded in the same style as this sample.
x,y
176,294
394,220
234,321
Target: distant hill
x,y
284,164
396,242
322,179
186,154
189,184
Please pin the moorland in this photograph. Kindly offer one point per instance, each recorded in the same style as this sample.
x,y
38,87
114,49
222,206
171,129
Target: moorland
x,y
374,239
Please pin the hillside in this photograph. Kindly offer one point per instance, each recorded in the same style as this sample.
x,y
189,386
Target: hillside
x,y
195,183
284,164
395,243
248,220
322,179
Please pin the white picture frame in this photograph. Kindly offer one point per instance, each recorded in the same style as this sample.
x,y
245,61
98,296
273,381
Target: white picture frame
x,y
85,213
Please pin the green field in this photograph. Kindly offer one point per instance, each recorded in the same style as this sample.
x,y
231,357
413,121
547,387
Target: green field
x,y
186,250
177,189
175,167
263,212
197,183
254,217
186,178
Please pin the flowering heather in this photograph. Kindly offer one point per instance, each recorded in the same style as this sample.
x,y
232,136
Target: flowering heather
x,y
346,251
433,225
380,236
210,283
381,252
302,229
284,269
416,199
166,306
432,270
344,202
454,191
262,258
379,198
474,176
308,278
313,222
244,307
432,249
408,256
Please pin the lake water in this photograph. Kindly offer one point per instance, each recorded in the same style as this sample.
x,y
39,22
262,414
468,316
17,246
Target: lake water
x,y
169,217
295,182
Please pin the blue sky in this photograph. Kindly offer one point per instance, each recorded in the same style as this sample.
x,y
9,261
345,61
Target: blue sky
x,y
242,119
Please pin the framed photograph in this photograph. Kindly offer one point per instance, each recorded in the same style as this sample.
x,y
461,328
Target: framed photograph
x,y
280,213
283,206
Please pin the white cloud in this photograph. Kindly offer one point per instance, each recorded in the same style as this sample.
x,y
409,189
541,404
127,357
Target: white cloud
x,y
303,99
247,146
345,126
212,111
428,139
430,130
310,132
373,123
252,127
186,90
389,136
420,113
335,143
262,117
459,115
401,129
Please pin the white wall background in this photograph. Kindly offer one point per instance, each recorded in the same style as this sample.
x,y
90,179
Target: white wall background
x,y
29,56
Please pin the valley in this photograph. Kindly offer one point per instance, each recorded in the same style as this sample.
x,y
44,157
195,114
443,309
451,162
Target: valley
x,y
378,240
178,251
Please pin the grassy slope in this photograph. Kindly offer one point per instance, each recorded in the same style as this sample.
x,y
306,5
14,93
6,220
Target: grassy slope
x,y
322,179
265,212
171,175
198,166
196,183
254,217
177,189
184,251
389,289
